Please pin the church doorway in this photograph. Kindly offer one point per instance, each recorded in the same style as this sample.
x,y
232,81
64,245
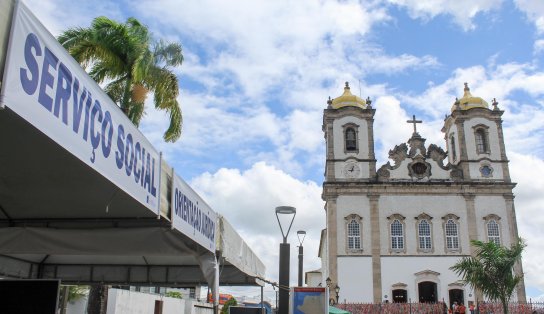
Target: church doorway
x,y
400,296
427,292
457,295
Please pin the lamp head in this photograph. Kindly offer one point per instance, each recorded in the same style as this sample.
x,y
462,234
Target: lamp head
x,y
328,281
301,234
337,289
285,210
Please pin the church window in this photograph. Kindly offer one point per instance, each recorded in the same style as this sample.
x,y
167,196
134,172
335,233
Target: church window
x,y
482,139
351,139
493,234
452,148
354,235
424,231
353,226
452,235
450,224
397,235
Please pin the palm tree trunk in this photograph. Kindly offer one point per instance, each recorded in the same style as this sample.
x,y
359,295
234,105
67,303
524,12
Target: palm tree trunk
x,y
98,299
125,102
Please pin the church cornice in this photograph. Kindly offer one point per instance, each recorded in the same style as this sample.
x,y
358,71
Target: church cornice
x,y
331,191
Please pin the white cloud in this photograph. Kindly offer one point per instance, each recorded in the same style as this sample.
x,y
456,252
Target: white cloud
x,y
247,200
528,171
534,11
462,11
538,46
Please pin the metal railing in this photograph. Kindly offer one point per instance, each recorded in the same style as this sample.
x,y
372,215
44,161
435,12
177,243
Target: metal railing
x,y
439,308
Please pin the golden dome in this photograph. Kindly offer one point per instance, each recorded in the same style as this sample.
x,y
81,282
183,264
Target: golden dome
x,y
348,99
468,101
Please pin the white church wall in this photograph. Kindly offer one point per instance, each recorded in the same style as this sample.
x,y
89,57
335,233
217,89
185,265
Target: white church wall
x,y
410,206
402,171
362,136
355,279
353,204
437,172
393,274
492,137
475,172
492,204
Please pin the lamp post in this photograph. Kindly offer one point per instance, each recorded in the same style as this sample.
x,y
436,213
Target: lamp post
x,y
283,288
301,234
328,281
337,290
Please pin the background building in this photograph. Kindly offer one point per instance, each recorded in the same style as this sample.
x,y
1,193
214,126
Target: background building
x,y
393,232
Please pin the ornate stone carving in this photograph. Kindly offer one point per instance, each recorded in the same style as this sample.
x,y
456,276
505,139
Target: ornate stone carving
x,y
417,145
383,173
437,154
419,168
398,154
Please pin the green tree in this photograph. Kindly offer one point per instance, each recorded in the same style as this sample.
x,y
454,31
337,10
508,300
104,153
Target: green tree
x,y
174,294
133,63
491,270
230,302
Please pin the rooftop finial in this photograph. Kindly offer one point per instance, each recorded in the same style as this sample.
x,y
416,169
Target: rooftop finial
x,y
347,85
495,104
466,87
329,102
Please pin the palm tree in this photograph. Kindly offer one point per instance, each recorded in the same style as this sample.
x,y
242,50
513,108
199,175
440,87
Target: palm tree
x,y
125,55
491,270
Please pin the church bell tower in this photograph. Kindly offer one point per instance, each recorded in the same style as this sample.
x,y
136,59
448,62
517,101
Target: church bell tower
x,y
348,126
475,140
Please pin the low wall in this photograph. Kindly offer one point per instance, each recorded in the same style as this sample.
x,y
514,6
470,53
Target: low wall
x,y
131,302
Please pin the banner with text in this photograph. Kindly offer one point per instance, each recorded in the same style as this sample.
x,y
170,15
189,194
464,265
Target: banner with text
x,y
191,215
48,88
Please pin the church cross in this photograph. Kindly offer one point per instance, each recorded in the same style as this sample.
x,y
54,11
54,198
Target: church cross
x,y
414,121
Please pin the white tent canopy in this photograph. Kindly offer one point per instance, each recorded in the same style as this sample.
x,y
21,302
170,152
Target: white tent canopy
x,y
64,217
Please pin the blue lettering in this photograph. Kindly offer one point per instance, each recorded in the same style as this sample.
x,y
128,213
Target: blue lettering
x,y
137,156
31,84
106,142
87,110
64,83
120,153
129,149
50,60
147,179
95,137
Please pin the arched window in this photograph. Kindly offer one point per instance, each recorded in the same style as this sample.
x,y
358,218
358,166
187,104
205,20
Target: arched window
x,y
452,148
424,232
397,235
452,235
493,234
351,139
354,235
482,139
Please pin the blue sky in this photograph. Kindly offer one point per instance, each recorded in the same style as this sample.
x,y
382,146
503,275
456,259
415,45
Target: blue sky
x,y
257,75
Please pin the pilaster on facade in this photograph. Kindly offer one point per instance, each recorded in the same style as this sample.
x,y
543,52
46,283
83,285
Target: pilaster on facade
x,y
332,239
518,268
371,155
376,246
471,220
505,168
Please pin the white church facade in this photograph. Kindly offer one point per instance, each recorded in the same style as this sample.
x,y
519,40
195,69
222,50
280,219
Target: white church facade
x,y
393,231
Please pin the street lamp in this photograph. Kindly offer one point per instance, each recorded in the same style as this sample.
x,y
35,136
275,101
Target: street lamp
x,y
337,290
301,234
284,259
